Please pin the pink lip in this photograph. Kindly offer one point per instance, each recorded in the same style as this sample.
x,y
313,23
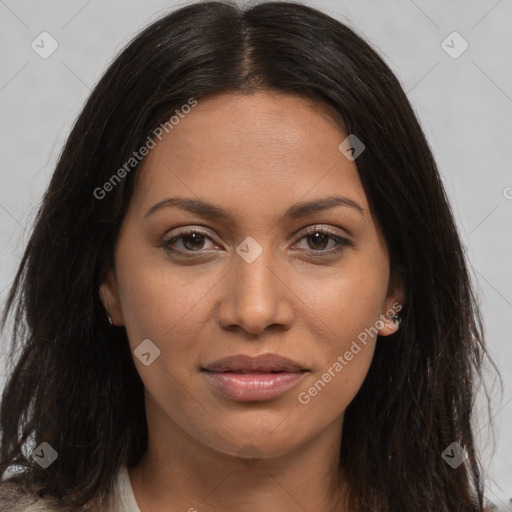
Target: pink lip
x,y
246,378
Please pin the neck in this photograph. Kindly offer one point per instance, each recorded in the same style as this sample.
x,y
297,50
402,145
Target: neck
x,y
179,473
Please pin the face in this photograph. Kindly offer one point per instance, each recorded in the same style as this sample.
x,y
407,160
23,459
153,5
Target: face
x,y
272,252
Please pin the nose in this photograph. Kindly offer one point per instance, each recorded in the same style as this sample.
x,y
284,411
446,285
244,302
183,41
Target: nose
x,y
256,296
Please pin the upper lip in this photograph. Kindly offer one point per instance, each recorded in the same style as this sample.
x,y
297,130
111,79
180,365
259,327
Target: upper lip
x,y
262,363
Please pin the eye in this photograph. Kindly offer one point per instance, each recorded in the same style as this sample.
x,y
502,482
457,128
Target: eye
x,y
318,239
192,240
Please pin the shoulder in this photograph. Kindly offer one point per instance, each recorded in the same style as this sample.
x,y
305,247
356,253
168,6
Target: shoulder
x,y
14,498
21,496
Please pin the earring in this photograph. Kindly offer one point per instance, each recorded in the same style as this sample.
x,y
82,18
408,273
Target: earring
x,y
396,320
108,314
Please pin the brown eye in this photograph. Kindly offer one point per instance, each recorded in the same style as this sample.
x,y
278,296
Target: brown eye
x,y
193,241
317,240
189,241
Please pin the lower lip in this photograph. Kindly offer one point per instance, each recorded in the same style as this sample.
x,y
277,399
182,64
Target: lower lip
x,y
250,387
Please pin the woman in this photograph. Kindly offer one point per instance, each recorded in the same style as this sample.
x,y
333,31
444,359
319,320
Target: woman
x,y
245,289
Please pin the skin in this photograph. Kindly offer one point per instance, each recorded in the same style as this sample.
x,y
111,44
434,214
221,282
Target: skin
x,y
256,156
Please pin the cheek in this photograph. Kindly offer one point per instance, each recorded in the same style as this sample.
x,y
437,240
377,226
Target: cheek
x,y
345,358
347,315
348,304
162,305
162,302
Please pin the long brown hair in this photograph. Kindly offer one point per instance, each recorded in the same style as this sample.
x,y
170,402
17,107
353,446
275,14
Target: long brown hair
x,y
74,383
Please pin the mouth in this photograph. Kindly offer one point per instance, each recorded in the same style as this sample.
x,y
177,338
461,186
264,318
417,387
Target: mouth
x,y
246,378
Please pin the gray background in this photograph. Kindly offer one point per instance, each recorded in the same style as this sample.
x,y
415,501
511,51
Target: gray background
x,y
464,105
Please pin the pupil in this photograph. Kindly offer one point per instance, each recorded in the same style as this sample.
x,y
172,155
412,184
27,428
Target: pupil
x,y
318,237
196,239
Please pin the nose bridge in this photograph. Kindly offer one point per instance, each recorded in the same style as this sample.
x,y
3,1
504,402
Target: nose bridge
x,y
257,297
253,278
255,287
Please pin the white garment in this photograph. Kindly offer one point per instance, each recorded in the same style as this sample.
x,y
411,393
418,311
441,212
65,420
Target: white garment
x,y
124,499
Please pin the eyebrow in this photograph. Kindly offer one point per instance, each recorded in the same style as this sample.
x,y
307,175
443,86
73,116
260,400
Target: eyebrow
x,y
296,211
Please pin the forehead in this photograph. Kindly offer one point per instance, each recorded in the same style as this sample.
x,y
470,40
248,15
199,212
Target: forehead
x,y
254,153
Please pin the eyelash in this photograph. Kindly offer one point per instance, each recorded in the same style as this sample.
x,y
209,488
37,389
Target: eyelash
x,y
342,242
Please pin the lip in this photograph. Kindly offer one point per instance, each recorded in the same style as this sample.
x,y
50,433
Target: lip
x,y
246,378
265,363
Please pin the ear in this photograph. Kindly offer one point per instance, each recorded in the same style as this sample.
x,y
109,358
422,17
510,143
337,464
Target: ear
x,y
392,305
109,297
